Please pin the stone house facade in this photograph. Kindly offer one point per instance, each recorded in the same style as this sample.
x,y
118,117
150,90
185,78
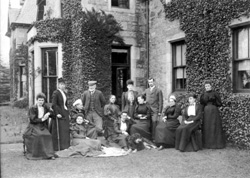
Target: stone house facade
x,y
155,47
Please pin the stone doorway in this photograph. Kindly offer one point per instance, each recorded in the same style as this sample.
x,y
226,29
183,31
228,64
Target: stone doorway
x,y
120,64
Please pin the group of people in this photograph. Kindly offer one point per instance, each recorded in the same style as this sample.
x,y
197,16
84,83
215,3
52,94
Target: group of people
x,y
140,123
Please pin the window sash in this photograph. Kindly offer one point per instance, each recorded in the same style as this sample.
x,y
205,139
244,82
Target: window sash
x,y
241,59
179,66
49,66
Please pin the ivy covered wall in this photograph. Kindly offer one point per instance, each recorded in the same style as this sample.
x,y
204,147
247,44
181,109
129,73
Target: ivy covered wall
x,y
205,24
86,37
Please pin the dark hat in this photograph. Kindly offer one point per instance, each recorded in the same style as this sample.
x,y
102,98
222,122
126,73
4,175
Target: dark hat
x,y
192,95
130,82
91,83
61,80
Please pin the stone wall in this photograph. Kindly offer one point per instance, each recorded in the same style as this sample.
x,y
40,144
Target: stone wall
x,y
162,32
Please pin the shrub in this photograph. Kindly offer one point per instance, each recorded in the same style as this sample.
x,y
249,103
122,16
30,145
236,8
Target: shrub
x,y
21,103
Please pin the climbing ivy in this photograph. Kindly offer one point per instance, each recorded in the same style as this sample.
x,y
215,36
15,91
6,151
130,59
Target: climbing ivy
x,y
86,38
207,35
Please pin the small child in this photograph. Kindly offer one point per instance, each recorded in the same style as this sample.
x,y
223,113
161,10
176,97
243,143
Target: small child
x,y
137,143
77,112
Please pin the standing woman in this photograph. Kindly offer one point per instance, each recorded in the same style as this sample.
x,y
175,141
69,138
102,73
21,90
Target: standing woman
x,y
142,119
129,99
111,113
165,130
213,136
60,123
37,138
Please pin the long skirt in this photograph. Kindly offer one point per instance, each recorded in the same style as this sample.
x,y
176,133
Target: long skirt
x,y
119,139
165,132
38,142
142,127
82,147
213,136
185,139
61,141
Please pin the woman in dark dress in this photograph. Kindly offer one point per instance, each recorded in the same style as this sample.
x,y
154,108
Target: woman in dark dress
x,y
185,135
212,136
60,123
142,119
37,138
111,113
129,99
165,130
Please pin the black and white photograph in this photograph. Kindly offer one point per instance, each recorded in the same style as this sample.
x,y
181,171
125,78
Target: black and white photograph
x,y
125,88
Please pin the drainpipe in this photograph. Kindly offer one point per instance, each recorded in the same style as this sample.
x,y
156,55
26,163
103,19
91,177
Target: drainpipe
x,y
147,35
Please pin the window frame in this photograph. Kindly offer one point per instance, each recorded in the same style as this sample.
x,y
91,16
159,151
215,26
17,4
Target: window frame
x,y
129,6
174,45
47,76
235,60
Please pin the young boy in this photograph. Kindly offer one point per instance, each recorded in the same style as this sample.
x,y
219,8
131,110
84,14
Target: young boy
x,y
78,111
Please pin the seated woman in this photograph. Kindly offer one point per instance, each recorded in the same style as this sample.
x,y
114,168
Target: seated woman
x,y
118,132
142,119
37,138
185,133
81,145
79,111
165,130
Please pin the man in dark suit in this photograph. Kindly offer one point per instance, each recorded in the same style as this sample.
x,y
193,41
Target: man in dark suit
x,y
154,99
60,124
93,102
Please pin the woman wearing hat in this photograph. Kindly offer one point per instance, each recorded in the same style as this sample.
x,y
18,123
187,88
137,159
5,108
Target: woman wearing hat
x,y
79,111
129,99
165,130
213,136
60,124
185,139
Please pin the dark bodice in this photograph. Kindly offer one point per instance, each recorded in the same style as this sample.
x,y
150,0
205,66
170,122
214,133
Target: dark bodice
x,y
112,111
172,112
210,97
77,131
142,109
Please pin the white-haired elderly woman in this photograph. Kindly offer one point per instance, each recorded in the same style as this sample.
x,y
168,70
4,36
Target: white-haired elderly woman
x,y
165,129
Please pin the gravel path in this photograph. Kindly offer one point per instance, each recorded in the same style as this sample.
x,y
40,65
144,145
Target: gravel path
x,y
168,163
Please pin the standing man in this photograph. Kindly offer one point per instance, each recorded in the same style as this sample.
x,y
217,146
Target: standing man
x,y
93,103
154,99
60,124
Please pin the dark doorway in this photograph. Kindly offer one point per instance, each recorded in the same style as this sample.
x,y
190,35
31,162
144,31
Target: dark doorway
x,y
120,59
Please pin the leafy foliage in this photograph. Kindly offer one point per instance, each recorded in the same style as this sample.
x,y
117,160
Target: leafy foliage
x,y
87,37
205,23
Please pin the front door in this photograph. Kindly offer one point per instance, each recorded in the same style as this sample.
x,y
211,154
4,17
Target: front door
x,y
120,71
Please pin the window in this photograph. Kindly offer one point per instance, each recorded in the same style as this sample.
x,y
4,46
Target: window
x,y
40,12
49,72
241,62
179,66
120,3
21,81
